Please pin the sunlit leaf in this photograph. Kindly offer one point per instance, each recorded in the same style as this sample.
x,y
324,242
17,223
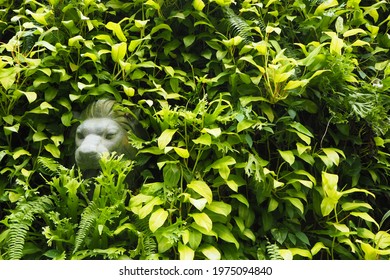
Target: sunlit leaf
x,y
157,219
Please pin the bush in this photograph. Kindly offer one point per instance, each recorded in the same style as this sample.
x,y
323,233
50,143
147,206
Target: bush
x,y
268,124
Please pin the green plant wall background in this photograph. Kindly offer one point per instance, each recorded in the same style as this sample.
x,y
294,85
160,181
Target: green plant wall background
x,y
268,129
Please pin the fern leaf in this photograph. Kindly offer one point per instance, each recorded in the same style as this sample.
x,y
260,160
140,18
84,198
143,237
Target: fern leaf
x,y
48,165
16,238
20,222
88,219
273,252
238,25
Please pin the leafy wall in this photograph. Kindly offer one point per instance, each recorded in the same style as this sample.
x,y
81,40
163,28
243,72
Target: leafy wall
x,y
268,129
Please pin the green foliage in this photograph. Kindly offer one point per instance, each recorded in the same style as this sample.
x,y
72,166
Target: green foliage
x,y
268,124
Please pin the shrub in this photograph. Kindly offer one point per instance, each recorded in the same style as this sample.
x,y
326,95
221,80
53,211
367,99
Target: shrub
x,y
267,120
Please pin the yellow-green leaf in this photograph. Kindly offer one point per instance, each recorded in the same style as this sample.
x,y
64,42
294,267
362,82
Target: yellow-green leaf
x,y
287,156
211,252
118,51
157,219
201,188
181,152
353,32
365,216
203,220
117,30
225,234
185,252
165,137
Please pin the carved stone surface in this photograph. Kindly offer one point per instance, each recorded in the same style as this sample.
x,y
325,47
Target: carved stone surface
x,y
103,130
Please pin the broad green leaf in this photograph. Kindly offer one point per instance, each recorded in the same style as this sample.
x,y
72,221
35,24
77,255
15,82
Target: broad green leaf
x,y
249,234
157,219
288,156
181,152
11,129
189,40
171,174
20,152
141,24
370,253
324,6
225,234
353,32
240,223
194,239
198,203
327,205
241,199
355,190
332,155
365,216
301,252
341,227
348,206
245,124
204,139
222,162
164,243
210,252
117,30
222,165
39,136
295,84
53,150
127,226
220,207
30,95
329,184
165,137
203,220
201,188
382,239
318,247
301,128
216,132
148,207
185,252
273,204
336,44
75,41
296,203
118,51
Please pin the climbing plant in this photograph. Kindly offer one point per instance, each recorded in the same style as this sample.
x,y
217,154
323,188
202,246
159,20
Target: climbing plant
x,y
268,129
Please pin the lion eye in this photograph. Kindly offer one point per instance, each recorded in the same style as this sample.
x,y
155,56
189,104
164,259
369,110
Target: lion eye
x,y
80,135
109,135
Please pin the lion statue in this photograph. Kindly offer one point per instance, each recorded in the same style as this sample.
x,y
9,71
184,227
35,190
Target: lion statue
x,y
104,129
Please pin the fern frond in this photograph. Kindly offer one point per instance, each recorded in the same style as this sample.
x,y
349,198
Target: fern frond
x,y
21,220
16,238
238,25
49,166
273,252
88,219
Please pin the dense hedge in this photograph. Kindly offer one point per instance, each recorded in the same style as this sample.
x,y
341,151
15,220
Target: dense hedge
x,y
268,129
